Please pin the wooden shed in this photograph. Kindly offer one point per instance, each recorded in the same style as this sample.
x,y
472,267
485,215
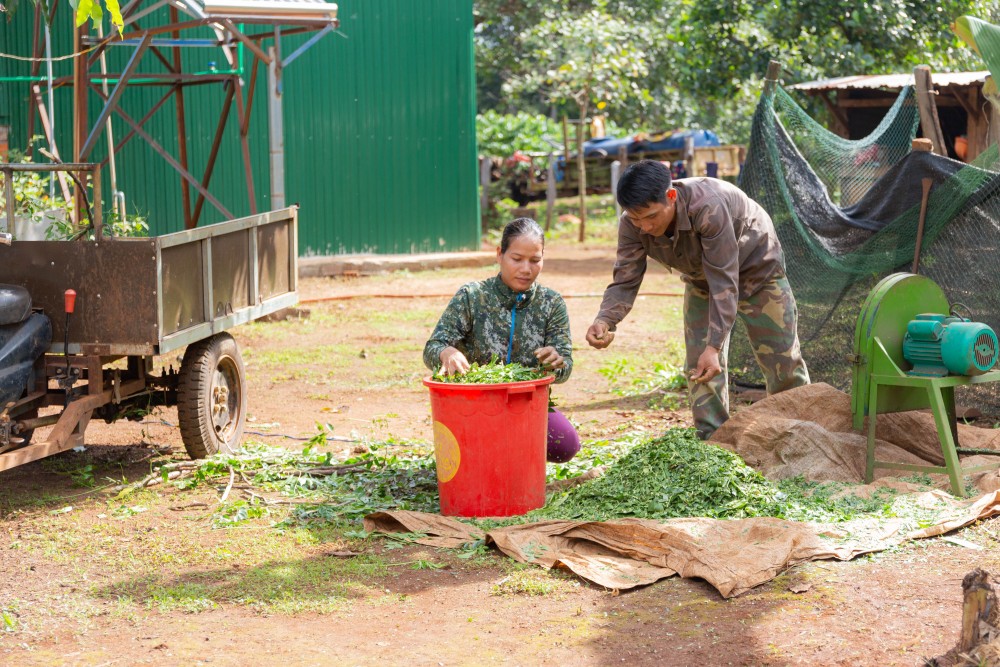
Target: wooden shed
x,y
858,103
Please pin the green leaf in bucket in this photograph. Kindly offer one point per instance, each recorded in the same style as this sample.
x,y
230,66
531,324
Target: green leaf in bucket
x,y
495,372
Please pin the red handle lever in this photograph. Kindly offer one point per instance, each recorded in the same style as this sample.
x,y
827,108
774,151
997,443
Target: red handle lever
x,y
70,297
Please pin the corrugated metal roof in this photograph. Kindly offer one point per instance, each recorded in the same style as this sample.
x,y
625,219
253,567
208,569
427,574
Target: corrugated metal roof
x,y
275,8
891,81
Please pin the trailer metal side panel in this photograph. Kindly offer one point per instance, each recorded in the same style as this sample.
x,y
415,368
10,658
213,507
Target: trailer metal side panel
x,y
115,284
221,275
151,296
183,287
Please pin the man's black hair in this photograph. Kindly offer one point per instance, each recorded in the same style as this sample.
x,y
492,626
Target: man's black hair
x,y
520,227
643,183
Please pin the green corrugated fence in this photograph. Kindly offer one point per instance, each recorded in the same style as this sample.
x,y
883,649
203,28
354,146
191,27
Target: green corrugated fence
x,y
379,123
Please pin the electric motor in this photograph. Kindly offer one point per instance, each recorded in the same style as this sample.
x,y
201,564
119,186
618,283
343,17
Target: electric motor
x,y
937,345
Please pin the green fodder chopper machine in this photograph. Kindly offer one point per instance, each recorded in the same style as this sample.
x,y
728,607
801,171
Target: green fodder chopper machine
x,y
911,349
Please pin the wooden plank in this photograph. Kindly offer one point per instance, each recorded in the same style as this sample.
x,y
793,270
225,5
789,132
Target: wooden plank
x,y
841,126
930,125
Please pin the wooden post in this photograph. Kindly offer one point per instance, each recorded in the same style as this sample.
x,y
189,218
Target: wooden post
x,y
930,126
276,127
623,156
926,184
616,172
581,167
772,76
550,190
979,605
689,156
485,167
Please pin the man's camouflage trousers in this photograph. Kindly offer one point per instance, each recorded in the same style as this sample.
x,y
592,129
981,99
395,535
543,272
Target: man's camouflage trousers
x,y
771,320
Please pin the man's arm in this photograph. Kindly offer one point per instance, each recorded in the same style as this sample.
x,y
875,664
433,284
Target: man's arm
x,y
630,267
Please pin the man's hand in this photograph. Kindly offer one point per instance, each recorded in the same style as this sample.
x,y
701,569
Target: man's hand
x,y
599,336
453,362
708,365
549,358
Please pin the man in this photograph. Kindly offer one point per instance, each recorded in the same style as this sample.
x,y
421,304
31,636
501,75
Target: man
x,y
724,245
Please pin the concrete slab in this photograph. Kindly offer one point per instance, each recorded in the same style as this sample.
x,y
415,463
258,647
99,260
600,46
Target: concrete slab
x,y
366,265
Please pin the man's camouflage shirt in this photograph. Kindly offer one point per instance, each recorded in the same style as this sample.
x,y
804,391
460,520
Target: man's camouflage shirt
x,y
721,241
477,322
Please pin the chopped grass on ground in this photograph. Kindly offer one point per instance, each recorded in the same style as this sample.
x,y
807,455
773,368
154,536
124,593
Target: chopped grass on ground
x,y
677,475
671,476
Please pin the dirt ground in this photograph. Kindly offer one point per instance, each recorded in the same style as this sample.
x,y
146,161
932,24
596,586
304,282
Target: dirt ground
x,y
95,584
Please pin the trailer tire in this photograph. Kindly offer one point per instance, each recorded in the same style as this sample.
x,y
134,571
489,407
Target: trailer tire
x,y
211,396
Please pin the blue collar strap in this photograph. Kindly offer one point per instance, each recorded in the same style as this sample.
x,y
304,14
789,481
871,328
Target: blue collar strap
x,y
513,321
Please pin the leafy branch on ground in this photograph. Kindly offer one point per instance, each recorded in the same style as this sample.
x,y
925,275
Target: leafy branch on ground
x,y
380,476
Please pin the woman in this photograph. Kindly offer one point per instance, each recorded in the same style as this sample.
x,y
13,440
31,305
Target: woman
x,y
510,317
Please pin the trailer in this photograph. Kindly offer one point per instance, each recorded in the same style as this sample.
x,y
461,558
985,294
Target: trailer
x,y
83,320
134,299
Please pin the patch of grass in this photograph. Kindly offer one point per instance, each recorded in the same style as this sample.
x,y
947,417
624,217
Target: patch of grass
x,y
9,618
188,598
293,606
319,584
665,383
322,356
532,582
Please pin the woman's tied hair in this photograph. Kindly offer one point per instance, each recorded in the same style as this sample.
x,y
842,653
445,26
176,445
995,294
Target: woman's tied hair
x,y
520,227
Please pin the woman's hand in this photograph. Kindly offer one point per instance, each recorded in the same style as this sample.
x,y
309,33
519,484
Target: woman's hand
x,y
549,358
453,362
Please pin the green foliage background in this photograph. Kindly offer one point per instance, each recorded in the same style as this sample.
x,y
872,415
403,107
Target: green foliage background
x,y
656,65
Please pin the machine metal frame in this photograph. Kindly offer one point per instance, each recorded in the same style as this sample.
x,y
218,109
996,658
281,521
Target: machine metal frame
x,y
880,385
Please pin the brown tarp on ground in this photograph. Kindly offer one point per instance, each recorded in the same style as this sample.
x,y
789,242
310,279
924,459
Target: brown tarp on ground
x,y
733,556
808,431
805,431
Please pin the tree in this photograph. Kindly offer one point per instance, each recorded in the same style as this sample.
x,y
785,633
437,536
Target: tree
x,y
592,60
705,58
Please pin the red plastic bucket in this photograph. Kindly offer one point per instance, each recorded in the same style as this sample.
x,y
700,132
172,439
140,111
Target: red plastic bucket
x,y
489,444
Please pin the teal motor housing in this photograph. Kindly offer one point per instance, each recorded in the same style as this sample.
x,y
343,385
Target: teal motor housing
x,y
939,345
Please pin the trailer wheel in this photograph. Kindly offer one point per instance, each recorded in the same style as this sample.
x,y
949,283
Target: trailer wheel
x,y
211,396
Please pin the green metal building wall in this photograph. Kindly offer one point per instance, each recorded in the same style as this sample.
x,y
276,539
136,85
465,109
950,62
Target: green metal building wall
x,y
379,123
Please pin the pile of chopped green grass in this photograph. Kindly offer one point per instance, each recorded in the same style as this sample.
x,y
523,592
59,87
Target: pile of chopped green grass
x,y
675,475
495,372
678,475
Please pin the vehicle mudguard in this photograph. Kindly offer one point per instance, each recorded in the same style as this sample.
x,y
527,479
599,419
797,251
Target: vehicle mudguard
x,y
15,304
20,346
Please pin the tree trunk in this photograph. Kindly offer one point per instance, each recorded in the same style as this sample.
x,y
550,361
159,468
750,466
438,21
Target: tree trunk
x,y
582,170
980,618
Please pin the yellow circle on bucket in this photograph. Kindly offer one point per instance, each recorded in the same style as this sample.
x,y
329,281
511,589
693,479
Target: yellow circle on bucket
x,y
447,453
